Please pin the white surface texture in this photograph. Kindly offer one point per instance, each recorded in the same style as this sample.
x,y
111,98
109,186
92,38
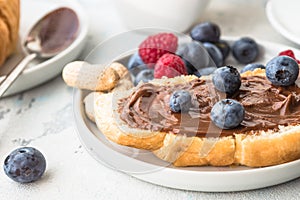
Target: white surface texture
x,y
43,118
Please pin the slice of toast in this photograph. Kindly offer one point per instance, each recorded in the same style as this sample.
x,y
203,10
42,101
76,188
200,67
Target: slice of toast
x,y
263,148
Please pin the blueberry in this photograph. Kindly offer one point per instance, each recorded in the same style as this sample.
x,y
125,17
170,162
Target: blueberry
x,y
252,67
224,48
197,73
282,71
227,79
135,64
194,55
25,165
180,101
181,48
189,67
227,113
245,50
206,32
215,53
145,75
206,71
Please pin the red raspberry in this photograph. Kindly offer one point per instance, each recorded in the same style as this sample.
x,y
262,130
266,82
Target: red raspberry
x,y
151,49
169,65
289,53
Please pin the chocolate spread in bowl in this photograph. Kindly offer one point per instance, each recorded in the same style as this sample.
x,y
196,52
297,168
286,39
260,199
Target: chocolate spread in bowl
x,y
266,107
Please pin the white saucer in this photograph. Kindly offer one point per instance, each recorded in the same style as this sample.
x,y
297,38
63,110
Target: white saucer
x,y
145,166
284,17
39,72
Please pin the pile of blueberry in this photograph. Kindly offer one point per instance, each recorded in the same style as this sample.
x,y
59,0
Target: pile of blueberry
x,y
205,44
245,50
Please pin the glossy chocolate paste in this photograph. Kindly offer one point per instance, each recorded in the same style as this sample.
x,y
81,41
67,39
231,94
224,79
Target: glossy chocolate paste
x,y
58,30
266,107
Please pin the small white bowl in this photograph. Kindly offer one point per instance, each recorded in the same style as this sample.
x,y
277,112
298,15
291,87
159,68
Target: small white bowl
x,y
38,72
178,15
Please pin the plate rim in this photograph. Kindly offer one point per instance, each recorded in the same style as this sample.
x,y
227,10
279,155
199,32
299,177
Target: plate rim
x,y
279,27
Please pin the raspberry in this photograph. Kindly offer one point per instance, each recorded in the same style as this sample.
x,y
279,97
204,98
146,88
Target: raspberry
x,y
151,49
289,53
169,65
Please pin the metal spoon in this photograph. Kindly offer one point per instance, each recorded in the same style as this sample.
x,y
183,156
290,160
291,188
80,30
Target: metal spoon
x,y
48,37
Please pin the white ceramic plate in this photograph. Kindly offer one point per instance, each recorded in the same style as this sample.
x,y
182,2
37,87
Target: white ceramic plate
x,y
284,17
145,166
39,72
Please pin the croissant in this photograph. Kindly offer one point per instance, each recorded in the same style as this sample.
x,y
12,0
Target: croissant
x,y
9,27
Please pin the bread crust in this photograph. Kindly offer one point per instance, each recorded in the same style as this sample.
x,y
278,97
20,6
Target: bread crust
x,y
264,148
268,148
196,151
107,123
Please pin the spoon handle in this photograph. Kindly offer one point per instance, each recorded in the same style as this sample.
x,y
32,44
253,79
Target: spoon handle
x,y
15,73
